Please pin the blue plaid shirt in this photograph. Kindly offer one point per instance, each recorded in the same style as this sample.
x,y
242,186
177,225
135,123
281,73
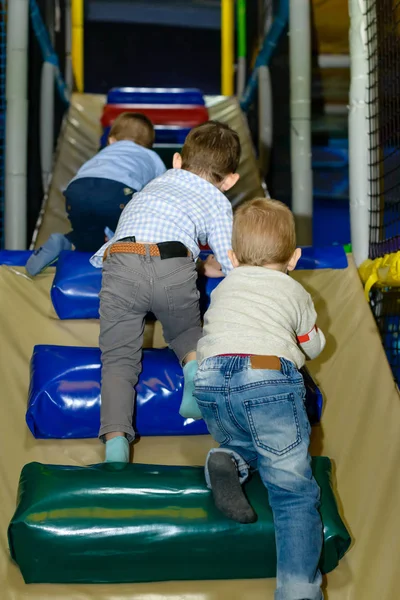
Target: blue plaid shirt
x,y
182,207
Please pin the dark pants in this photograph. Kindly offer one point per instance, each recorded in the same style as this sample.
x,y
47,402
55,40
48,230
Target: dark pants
x,y
132,286
92,205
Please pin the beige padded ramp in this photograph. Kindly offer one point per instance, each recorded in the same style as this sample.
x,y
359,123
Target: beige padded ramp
x,y
359,431
79,141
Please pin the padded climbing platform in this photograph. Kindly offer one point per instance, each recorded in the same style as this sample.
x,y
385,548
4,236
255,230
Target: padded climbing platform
x,y
147,523
14,258
64,394
180,115
76,287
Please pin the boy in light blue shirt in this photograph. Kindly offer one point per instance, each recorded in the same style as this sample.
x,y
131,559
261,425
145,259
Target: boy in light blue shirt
x,y
98,193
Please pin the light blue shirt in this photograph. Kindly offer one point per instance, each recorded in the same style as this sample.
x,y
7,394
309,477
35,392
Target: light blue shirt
x,y
126,162
182,207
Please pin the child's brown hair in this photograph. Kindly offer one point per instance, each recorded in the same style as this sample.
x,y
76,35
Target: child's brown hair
x,y
212,151
134,127
263,233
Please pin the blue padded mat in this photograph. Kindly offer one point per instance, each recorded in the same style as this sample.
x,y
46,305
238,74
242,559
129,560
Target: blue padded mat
x,y
64,394
314,258
142,95
14,258
76,286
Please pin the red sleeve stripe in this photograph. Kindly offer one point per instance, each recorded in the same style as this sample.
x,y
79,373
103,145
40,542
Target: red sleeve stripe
x,y
308,336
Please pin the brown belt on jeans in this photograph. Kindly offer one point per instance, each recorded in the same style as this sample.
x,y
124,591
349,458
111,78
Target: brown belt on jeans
x,y
272,363
134,248
131,248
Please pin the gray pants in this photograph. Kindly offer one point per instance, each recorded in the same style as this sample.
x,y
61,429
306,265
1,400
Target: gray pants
x,y
132,286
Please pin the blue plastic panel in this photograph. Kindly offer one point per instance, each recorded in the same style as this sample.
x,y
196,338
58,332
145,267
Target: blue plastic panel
x,y
76,285
322,257
14,258
326,157
143,95
64,394
331,221
331,184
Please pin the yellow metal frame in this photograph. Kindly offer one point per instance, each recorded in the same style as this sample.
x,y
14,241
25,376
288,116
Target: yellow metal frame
x,y
227,46
77,14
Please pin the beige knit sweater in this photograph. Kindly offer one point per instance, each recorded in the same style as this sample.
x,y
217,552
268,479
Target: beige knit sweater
x,y
256,310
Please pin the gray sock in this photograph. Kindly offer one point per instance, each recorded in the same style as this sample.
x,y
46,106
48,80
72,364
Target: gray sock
x,y
226,488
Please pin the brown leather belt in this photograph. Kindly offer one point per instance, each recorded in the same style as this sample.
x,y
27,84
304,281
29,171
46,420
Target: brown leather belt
x,y
272,363
261,361
134,248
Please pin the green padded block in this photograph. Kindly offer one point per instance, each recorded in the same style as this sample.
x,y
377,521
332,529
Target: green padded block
x,y
166,152
147,523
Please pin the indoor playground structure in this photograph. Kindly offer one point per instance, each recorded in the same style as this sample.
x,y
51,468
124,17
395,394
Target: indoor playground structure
x,y
150,531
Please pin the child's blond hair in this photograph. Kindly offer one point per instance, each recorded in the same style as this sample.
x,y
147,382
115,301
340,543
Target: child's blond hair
x,y
134,127
263,233
212,151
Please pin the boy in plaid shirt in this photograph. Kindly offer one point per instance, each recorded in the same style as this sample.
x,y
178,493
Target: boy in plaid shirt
x,y
150,266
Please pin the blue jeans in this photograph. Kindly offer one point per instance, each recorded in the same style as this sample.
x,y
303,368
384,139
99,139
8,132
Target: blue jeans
x,y
94,203
259,418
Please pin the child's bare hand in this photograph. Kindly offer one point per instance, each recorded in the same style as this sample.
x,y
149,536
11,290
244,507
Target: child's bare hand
x,y
212,268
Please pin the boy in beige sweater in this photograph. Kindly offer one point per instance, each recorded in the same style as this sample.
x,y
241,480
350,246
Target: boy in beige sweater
x,y
258,332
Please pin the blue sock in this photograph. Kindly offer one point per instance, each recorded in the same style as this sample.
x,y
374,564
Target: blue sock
x,y
189,408
47,254
117,449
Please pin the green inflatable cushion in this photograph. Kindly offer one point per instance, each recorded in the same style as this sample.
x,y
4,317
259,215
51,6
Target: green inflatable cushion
x,y
147,523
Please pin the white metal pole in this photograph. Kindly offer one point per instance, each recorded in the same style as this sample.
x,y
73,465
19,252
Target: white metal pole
x,y
47,90
68,47
358,133
47,122
300,117
16,124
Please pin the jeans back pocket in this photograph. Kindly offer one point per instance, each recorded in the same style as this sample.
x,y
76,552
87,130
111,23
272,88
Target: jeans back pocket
x,y
117,296
274,423
182,294
210,414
